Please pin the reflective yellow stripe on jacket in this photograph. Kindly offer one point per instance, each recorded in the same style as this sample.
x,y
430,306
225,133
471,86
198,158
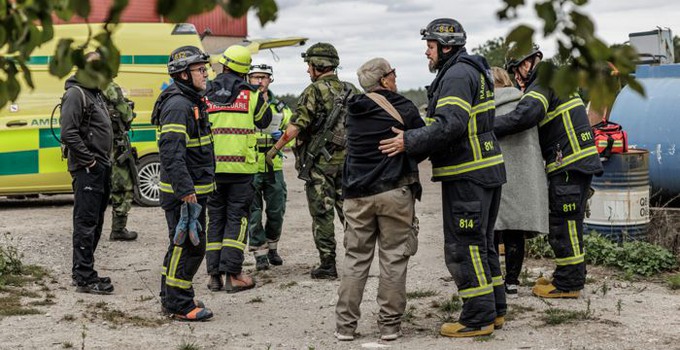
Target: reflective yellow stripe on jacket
x,y
478,162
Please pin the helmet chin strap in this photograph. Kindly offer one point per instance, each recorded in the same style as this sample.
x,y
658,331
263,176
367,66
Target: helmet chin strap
x,y
443,57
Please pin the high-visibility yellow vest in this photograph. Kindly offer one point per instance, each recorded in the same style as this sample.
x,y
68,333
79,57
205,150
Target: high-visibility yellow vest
x,y
233,128
280,117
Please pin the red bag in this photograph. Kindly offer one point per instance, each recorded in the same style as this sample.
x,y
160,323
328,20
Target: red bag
x,y
610,138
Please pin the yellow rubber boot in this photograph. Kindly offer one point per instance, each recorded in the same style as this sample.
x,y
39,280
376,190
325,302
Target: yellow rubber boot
x,y
458,330
550,291
499,322
542,281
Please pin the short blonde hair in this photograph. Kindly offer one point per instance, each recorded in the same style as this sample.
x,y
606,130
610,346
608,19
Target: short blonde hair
x,y
501,78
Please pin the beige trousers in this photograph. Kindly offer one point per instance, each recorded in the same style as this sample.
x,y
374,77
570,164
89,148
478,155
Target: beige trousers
x,y
387,218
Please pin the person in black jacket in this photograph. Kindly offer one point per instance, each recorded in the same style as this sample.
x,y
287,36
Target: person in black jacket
x,y
571,160
467,159
379,196
187,175
88,136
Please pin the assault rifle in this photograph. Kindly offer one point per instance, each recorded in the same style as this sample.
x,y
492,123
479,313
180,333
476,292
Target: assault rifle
x,y
319,142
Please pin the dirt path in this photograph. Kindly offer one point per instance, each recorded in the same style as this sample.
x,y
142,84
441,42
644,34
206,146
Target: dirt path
x,y
290,311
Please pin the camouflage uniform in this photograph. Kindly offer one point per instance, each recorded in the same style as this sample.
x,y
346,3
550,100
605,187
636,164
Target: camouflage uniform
x,y
324,191
123,176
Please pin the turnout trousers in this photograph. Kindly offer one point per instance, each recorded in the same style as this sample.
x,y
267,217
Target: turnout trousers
x,y
91,190
228,211
568,193
324,192
469,213
180,264
270,198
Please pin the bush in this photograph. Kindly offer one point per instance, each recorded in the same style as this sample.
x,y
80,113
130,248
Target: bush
x,y
634,258
10,262
637,257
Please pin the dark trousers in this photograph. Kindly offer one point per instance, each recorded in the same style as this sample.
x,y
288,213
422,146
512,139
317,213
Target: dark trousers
x,y
228,211
469,213
91,190
513,240
181,264
568,193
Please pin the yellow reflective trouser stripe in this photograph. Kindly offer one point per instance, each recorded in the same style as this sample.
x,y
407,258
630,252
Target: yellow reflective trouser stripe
x,y
244,228
214,246
170,279
571,133
572,260
586,152
467,167
164,270
477,264
565,107
497,281
233,243
537,95
199,189
455,101
203,141
573,237
476,291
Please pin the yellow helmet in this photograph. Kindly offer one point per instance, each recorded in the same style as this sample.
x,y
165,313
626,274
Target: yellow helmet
x,y
237,58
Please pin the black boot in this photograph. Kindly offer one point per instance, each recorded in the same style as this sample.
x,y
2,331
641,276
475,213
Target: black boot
x,y
261,263
326,270
274,257
215,284
123,235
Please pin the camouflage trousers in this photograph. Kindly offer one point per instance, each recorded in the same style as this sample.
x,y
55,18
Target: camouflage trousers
x,y
270,198
121,194
324,192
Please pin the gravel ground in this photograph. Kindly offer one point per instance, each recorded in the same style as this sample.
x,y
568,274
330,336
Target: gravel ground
x,y
288,310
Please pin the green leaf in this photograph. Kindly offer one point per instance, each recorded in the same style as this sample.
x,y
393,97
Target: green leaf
x,y
62,63
3,36
116,10
267,11
522,36
583,26
80,7
28,78
546,11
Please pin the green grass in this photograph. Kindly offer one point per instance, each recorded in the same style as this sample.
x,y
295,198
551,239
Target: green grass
x,y
255,300
420,294
117,317
484,338
674,282
409,314
67,345
11,306
556,316
287,285
188,346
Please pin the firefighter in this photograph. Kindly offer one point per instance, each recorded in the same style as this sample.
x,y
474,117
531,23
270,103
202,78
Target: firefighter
x,y
270,187
187,175
571,160
467,160
236,108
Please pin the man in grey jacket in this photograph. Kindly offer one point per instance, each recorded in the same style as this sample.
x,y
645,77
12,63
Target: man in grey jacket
x,y
86,131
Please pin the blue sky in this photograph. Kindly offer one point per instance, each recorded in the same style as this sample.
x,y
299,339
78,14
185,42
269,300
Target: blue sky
x,y
361,30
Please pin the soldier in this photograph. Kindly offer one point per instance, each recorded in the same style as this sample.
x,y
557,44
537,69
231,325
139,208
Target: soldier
x,y
270,187
124,169
236,108
187,173
571,160
324,185
467,160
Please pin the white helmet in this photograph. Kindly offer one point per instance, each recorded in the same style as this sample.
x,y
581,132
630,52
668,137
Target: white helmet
x,y
261,68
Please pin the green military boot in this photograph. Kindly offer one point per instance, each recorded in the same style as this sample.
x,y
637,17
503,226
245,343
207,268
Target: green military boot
x,y
118,230
261,263
326,270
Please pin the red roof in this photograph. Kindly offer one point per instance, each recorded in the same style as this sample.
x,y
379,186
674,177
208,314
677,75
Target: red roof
x,y
144,11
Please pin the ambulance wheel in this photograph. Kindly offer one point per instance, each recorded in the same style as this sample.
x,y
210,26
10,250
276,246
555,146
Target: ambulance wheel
x,y
149,170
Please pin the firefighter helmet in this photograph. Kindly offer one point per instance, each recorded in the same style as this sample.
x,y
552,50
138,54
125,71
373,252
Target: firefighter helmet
x,y
237,58
181,58
446,31
514,56
261,68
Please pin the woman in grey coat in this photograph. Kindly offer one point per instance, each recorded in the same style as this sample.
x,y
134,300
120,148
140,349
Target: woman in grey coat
x,y
523,210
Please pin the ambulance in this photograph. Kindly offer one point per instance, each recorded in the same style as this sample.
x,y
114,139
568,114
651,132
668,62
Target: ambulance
x,y
30,158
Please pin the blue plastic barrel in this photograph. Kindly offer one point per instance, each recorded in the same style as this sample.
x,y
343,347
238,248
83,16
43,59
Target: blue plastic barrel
x,y
652,123
619,209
